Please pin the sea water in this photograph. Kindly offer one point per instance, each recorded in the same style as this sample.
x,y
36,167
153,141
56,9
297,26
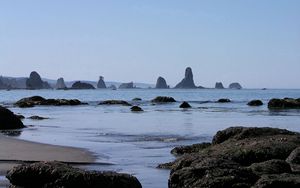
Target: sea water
x,y
136,143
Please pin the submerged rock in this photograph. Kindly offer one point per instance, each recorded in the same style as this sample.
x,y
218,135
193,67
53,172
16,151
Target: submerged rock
x,y
161,83
136,109
185,105
38,100
35,82
126,85
235,86
8,120
82,85
136,99
37,118
285,103
188,80
60,84
219,85
54,174
224,100
101,84
115,102
163,99
255,103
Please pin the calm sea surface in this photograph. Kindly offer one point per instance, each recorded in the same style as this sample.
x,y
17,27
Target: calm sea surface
x,y
137,142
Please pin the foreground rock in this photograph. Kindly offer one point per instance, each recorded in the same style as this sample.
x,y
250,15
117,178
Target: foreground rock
x,y
8,120
101,84
54,174
115,102
185,105
235,85
35,82
161,83
38,100
238,157
163,99
188,80
60,84
219,85
255,103
82,85
285,103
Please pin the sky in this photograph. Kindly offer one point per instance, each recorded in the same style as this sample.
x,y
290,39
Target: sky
x,y
254,42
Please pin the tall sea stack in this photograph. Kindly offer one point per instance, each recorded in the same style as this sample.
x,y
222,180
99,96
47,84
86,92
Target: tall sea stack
x,y
35,82
161,83
60,84
219,85
235,85
188,80
101,83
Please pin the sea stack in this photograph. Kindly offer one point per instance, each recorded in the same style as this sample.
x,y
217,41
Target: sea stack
x,y
82,85
35,82
126,85
235,85
219,85
188,80
161,83
101,83
60,84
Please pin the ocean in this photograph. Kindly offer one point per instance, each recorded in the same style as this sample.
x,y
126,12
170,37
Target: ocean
x,y
136,143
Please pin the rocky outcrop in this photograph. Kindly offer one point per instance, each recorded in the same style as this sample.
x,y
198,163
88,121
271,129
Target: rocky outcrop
x,y
35,82
126,85
238,157
8,120
188,80
136,99
219,85
38,100
163,99
285,103
136,109
224,100
101,83
54,174
255,103
60,84
235,85
37,118
115,102
161,83
113,87
82,85
185,105
3,86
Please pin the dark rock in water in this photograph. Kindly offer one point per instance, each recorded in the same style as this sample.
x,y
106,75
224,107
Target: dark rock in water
x,y
255,103
136,99
54,174
235,86
20,116
238,157
8,120
284,103
35,82
163,99
136,109
113,87
37,118
82,85
126,85
188,80
60,84
219,85
101,83
161,83
224,100
115,102
189,149
185,105
37,100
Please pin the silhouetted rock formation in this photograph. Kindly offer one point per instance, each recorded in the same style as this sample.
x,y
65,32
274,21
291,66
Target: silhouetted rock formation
x,y
55,174
37,118
163,99
8,120
255,103
185,105
224,100
235,86
219,85
136,109
82,85
101,83
60,84
285,103
126,85
188,81
161,83
113,87
35,82
115,102
3,86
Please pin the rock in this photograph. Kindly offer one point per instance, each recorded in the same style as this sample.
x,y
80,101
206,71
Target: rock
x,y
224,100
273,166
136,109
163,99
8,120
189,149
188,80
82,85
219,85
54,174
136,99
60,84
285,103
126,85
255,103
37,100
185,105
278,181
3,85
113,87
294,160
35,82
37,118
235,86
161,83
101,83
20,116
115,102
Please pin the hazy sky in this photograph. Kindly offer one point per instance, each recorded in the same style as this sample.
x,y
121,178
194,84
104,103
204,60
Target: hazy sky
x,y
254,42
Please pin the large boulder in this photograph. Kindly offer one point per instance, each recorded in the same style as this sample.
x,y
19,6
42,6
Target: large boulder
x,y
161,83
35,82
115,102
185,104
101,84
60,84
188,80
285,103
82,85
126,85
163,99
219,85
8,120
255,103
235,85
54,174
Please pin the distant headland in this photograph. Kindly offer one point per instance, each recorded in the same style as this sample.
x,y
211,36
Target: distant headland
x,y
35,81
